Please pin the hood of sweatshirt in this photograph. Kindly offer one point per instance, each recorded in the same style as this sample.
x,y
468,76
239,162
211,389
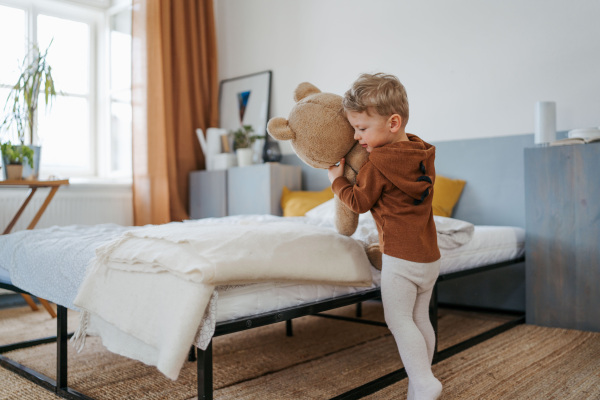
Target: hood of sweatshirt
x,y
409,165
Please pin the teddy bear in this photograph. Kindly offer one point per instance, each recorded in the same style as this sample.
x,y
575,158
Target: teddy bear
x,y
321,136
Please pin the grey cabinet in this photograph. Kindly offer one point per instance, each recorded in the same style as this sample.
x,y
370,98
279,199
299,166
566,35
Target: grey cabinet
x,y
208,194
562,206
255,189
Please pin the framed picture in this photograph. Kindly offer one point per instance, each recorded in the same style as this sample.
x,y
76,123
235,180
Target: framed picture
x,y
245,100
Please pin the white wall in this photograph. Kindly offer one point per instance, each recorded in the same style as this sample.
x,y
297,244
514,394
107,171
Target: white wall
x,y
472,68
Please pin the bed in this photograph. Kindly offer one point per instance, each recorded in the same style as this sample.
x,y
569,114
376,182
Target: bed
x,y
466,249
489,250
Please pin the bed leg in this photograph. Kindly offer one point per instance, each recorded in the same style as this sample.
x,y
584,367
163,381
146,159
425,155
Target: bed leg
x,y
192,354
61,348
288,328
358,310
205,373
433,314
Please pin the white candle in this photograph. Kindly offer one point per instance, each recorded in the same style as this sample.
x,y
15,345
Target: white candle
x,y
545,122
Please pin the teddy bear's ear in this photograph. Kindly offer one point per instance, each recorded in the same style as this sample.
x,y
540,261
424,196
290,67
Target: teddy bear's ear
x,y
305,89
280,129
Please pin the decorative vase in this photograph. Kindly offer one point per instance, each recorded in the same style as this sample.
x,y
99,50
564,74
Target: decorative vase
x,y
271,151
14,172
33,173
244,157
4,162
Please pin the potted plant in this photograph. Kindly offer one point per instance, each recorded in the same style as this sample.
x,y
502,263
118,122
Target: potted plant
x,y
13,158
243,139
22,105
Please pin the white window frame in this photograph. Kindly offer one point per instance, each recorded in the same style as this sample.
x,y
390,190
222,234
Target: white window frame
x,y
95,13
105,144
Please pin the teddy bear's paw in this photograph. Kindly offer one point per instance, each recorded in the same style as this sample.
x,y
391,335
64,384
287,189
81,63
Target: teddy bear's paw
x,y
374,255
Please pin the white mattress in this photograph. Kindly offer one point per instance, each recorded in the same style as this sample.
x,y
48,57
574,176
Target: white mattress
x,y
489,245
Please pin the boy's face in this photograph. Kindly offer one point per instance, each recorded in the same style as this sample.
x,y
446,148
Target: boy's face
x,y
373,130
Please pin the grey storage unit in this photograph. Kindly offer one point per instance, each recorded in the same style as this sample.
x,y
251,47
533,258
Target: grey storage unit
x,y
562,207
255,189
208,194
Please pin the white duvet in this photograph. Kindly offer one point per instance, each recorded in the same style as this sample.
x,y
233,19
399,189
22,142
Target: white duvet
x,y
146,292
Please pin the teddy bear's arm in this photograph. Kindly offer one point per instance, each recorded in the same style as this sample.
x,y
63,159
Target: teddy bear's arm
x,y
345,219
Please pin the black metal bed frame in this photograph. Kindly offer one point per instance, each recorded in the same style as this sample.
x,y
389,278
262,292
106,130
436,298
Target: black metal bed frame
x,y
204,358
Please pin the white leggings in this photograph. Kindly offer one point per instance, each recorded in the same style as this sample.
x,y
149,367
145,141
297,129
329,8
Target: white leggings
x,y
406,289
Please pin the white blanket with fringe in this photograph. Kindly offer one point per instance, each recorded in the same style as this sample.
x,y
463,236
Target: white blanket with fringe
x,y
146,292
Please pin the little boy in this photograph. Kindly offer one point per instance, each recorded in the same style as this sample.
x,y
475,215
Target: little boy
x,y
396,184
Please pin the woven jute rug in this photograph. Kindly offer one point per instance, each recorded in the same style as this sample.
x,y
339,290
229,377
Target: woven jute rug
x,y
324,358
526,362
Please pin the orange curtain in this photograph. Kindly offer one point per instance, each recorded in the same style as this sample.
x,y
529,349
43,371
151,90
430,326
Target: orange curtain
x,y
174,92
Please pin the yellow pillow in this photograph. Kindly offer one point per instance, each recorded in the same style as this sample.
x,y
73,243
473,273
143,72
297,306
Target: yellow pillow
x,y
297,203
446,193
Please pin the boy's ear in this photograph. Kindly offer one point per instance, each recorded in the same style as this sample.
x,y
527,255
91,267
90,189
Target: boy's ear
x,y
395,122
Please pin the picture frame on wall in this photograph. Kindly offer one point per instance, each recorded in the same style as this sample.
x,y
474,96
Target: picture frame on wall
x,y
245,100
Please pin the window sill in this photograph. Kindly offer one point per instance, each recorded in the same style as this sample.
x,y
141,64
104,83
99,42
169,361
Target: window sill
x,y
120,184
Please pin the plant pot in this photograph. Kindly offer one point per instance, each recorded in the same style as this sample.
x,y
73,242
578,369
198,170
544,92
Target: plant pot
x,y
14,172
244,157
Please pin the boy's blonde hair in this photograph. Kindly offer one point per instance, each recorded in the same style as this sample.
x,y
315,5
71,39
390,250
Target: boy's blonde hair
x,y
381,92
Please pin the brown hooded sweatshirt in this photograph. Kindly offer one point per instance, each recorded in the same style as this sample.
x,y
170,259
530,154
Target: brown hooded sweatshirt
x,y
396,184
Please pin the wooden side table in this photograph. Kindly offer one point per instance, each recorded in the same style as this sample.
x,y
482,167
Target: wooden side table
x,y
562,240
33,186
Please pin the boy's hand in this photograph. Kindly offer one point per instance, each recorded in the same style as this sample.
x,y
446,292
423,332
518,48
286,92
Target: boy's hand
x,y
335,171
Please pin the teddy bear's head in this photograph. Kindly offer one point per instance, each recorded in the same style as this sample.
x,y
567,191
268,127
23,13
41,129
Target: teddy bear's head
x,y
318,129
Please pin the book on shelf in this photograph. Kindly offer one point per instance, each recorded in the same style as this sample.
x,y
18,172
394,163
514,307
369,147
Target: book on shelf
x,y
579,136
575,140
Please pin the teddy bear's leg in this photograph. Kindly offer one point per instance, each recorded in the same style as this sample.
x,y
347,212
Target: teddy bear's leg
x,y
374,255
345,219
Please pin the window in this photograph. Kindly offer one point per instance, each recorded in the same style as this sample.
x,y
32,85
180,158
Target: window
x,y
87,132
120,92
11,20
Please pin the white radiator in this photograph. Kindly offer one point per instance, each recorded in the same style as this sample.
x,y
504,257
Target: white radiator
x,y
82,204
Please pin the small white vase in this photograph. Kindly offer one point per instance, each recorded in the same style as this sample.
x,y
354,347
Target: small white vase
x,y
244,157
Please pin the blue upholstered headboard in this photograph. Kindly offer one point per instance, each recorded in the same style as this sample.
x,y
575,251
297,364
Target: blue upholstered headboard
x,y
493,168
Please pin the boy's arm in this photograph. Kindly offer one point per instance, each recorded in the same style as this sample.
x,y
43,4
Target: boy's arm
x,y
362,196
